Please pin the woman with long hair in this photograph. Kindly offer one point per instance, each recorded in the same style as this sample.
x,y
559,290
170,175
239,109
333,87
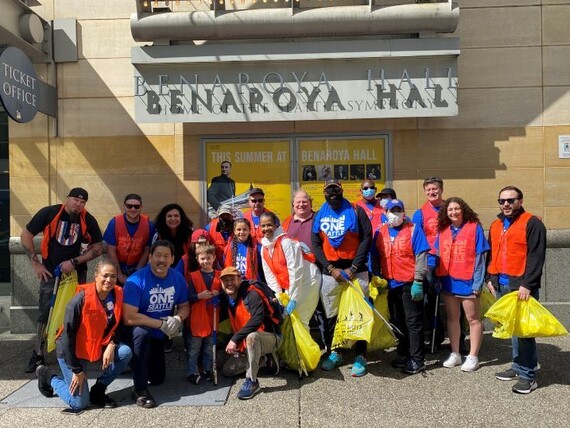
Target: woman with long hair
x,y
461,246
172,224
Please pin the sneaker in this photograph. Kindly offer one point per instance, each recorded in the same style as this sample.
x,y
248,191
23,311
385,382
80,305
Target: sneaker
x,y
143,399
399,362
272,364
98,398
207,375
471,364
453,360
35,361
413,367
332,361
359,366
194,378
44,375
508,374
525,386
248,389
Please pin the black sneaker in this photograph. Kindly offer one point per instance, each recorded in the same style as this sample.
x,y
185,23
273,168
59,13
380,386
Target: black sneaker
x,y
44,375
194,378
525,386
98,398
207,374
508,374
143,399
413,367
399,362
35,361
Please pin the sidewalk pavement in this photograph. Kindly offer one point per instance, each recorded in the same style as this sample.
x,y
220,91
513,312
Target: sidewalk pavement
x,y
382,398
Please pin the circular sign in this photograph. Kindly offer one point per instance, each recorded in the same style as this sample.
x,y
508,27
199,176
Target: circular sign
x,y
19,86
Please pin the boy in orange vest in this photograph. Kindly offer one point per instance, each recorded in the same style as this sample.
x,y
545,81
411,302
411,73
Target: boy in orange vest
x,y
203,288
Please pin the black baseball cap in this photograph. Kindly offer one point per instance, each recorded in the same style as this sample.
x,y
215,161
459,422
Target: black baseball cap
x,y
79,193
387,191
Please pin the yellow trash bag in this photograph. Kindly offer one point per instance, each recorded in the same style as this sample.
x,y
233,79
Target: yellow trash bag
x,y
297,349
382,337
355,317
65,291
523,318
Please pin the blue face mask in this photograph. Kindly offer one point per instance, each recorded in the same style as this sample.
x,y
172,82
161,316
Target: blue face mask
x,y
368,193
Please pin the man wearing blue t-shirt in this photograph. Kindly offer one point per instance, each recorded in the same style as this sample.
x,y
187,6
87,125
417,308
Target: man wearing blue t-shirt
x,y
150,295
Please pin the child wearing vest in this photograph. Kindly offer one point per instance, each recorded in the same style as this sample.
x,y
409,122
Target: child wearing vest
x,y
203,289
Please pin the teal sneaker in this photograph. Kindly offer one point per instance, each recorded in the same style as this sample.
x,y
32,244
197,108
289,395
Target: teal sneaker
x,y
332,361
359,366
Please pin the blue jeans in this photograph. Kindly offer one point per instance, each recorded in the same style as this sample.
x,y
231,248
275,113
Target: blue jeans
x,y
81,400
524,350
199,347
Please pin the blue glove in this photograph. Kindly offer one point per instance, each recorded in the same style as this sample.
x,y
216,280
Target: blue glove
x,y
290,306
417,291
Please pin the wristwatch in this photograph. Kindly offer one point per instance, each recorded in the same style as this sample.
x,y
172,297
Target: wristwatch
x,y
74,262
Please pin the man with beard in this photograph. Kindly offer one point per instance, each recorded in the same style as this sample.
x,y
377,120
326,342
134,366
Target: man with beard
x,y
518,250
150,295
222,186
66,228
341,239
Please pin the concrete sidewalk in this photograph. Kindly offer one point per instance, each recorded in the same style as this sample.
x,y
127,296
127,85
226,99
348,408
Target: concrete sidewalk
x,y
383,398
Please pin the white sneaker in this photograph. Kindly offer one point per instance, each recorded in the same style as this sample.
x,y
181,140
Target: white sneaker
x,y
453,360
471,364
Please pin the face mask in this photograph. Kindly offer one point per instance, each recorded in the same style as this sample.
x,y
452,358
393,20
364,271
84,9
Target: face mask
x,y
335,201
369,193
384,202
395,219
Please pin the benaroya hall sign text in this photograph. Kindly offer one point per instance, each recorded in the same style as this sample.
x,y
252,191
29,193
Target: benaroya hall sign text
x,y
319,90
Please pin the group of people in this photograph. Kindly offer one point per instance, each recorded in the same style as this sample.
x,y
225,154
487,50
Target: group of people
x,y
164,276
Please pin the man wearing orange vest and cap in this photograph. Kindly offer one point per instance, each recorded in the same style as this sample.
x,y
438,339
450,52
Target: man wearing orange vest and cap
x,y
68,229
256,330
129,237
341,239
518,250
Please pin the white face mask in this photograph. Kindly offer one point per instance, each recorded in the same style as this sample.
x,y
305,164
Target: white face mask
x,y
395,219
384,202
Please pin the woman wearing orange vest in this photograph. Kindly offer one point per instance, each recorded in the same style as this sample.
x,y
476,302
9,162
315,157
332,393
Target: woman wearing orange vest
x,y
203,288
287,269
89,333
241,251
461,247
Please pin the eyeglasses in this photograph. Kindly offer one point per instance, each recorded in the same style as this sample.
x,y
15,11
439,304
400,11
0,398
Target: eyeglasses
x,y
133,206
368,188
333,190
256,201
509,200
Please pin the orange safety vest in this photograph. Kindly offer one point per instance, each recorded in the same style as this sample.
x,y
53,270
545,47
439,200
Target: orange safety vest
x,y
509,248
287,222
397,257
429,216
374,214
242,315
130,248
251,268
218,240
89,339
201,319
457,258
51,229
256,233
278,263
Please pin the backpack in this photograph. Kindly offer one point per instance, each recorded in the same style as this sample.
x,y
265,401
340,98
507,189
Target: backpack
x,y
270,301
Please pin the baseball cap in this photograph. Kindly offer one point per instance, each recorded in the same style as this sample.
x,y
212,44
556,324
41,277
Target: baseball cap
x,y
79,193
256,190
230,271
392,203
224,209
387,191
333,182
197,234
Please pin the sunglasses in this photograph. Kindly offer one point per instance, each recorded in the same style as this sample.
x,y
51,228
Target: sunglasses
x,y
334,190
368,188
509,200
131,206
256,201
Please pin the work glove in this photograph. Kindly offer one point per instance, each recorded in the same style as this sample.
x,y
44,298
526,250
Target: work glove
x,y
290,306
172,325
417,291
164,327
379,282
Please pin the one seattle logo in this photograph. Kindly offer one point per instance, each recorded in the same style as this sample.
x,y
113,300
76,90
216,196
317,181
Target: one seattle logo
x,y
161,299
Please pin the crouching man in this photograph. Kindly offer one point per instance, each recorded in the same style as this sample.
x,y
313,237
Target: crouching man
x,y
255,326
